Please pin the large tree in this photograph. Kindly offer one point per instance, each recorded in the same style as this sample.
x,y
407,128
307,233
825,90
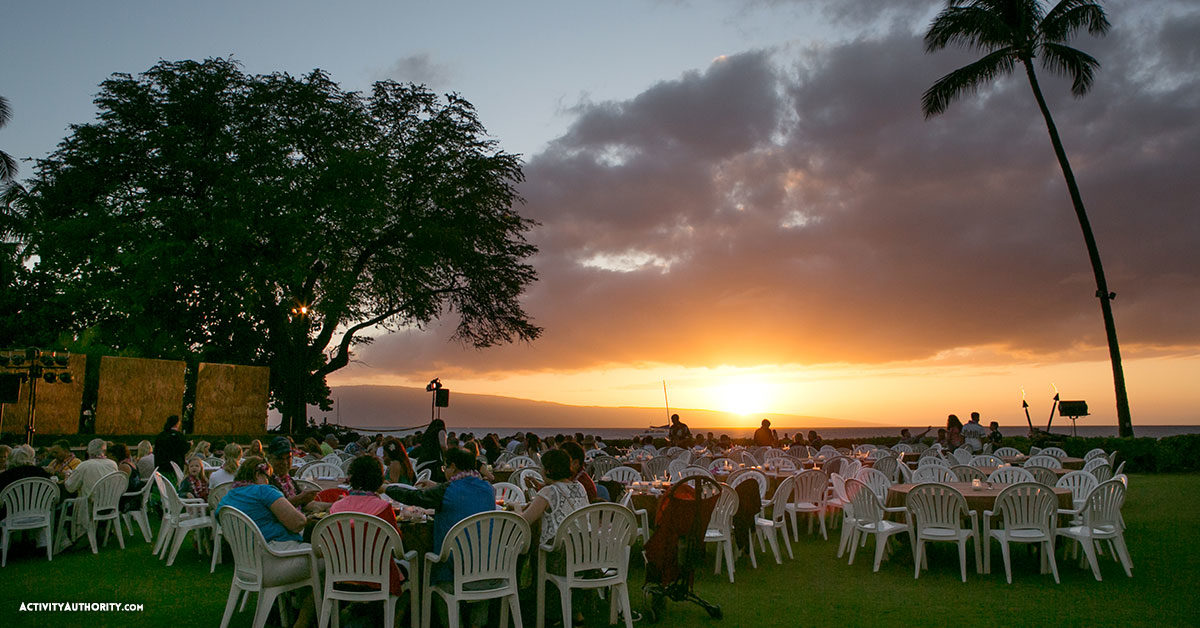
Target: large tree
x,y
208,214
1012,33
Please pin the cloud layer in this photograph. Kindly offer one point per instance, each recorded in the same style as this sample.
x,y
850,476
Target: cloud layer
x,y
797,208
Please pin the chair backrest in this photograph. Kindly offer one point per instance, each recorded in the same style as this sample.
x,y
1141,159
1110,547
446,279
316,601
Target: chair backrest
x,y
903,448
749,459
597,537
523,476
1006,452
722,515
322,471
332,458
986,460
1011,475
875,480
1044,461
170,499
247,544
865,504
214,461
305,485
1057,452
356,547
783,494
1028,506
1033,451
675,466
862,449
30,496
1079,482
1097,452
936,506
656,468
486,546
106,492
963,455
1103,472
1103,505
1093,463
722,465
509,492
773,452
780,464
178,472
809,485
851,468
603,463
751,474
688,472
878,452
934,460
933,473
966,473
684,455
905,473
1043,475
217,493
888,466
520,462
624,475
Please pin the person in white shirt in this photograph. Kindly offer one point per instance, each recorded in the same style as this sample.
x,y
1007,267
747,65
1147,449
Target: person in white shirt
x,y
232,456
973,433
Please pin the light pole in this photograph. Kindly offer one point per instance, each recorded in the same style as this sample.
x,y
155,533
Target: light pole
x,y
31,365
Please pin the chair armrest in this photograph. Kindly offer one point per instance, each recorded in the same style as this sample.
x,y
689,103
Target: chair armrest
x,y
895,509
193,501
430,557
1074,512
304,549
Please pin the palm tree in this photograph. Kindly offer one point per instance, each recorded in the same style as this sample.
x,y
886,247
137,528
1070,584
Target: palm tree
x,y
1013,32
8,165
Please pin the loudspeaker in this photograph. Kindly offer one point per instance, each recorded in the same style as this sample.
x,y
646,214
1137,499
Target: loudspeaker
x,y
441,398
10,388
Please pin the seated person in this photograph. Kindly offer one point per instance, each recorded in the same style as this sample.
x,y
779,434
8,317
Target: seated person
x,y
366,480
252,493
63,461
232,456
22,463
280,459
561,495
399,466
87,472
994,436
580,474
195,483
464,493
906,438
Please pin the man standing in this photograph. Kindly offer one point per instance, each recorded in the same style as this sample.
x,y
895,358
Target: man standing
x,y
170,446
974,433
679,433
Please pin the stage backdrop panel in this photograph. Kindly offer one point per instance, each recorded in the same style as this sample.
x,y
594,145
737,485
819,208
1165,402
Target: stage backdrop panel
x,y
231,399
58,404
137,394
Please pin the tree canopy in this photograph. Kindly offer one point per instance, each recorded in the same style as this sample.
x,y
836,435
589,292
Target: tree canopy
x,y
209,214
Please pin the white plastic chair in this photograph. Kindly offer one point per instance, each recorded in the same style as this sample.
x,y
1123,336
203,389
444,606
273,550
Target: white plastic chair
x,y
1056,452
1094,463
260,569
140,513
963,455
1099,519
1097,452
524,477
1050,462
178,473
936,513
767,527
624,475
656,468
750,460
105,501
966,473
1103,472
688,472
322,471
509,493
424,474
986,460
843,501
1006,452
595,544
869,519
809,497
359,548
758,476
722,465
933,473
780,464
29,504
177,521
1011,475
483,551
889,466
675,466
902,448
215,495
602,464
875,480
1043,475
520,462
720,529
1080,483
643,517
935,460
1029,512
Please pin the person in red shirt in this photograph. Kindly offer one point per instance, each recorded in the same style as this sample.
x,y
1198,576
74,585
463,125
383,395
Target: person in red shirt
x,y
366,478
579,470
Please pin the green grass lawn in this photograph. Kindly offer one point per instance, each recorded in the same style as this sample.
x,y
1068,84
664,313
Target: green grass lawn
x,y
1162,513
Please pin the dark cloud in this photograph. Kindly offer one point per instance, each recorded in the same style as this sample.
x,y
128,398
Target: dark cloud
x,y
802,210
420,69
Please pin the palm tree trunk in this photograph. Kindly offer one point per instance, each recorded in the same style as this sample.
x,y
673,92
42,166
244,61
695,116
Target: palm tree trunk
x,y
1124,421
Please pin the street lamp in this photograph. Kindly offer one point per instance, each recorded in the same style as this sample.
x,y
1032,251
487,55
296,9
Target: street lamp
x,y
33,365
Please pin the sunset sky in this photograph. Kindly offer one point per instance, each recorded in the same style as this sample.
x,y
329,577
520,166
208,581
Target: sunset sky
x,y
743,198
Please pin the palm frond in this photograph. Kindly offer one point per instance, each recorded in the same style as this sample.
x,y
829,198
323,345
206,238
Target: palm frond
x,y
8,167
1067,61
967,79
969,26
5,112
1068,16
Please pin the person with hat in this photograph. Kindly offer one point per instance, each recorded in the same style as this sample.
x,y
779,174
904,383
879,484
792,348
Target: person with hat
x,y
279,456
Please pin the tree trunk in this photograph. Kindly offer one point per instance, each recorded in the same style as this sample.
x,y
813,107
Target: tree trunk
x,y
1124,421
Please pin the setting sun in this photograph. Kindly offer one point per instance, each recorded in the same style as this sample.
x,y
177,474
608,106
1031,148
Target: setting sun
x,y
741,395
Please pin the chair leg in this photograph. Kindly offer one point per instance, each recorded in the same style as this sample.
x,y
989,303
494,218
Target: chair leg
x,y
229,605
515,603
787,543
917,550
216,555
1089,551
1122,552
265,601
623,592
3,547
540,582
962,558
91,534
180,535
389,611
853,545
426,605
1007,561
728,543
880,547
821,516
564,594
452,613
1049,552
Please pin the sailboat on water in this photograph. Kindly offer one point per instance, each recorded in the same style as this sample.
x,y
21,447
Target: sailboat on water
x,y
655,431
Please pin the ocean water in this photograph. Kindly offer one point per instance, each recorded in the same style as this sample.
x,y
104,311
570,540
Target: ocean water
x,y
1141,431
